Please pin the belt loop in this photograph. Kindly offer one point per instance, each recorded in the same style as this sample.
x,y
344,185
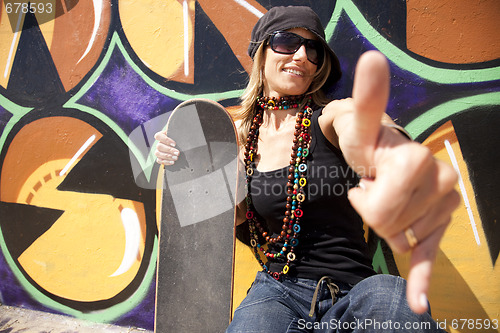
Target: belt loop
x,y
334,289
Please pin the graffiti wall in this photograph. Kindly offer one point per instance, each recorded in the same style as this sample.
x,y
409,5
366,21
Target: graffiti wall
x,y
81,80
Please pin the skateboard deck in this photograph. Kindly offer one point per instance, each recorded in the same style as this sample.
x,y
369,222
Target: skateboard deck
x,y
196,234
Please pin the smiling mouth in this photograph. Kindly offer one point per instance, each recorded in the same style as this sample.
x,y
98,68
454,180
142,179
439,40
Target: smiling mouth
x,y
293,71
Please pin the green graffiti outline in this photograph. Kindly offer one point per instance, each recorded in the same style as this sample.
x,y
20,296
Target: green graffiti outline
x,y
17,112
447,109
378,260
400,58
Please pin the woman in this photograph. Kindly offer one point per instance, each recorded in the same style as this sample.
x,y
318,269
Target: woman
x,y
302,202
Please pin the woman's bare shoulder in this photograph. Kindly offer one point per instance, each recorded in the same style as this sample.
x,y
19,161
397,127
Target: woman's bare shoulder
x,y
331,112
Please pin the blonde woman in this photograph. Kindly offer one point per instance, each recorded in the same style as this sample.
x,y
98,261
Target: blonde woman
x,y
315,170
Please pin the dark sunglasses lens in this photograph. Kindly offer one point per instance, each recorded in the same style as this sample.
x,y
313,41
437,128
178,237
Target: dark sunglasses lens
x,y
314,51
285,43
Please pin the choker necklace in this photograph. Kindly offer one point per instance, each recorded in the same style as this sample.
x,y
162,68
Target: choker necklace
x,y
282,103
295,190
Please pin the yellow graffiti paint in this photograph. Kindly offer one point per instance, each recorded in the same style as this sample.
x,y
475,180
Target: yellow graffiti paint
x,y
161,34
9,40
78,255
464,284
245,269
93,251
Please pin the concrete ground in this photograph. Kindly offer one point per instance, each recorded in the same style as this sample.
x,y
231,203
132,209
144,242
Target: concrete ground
x,y
13,320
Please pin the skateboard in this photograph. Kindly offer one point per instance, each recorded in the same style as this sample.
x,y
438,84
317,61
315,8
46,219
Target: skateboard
x,y
196,233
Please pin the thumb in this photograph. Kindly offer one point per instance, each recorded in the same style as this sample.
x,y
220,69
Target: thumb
x,y
370,94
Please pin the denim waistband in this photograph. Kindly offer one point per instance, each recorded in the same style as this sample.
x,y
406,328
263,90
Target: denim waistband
x,y
334,287
314,283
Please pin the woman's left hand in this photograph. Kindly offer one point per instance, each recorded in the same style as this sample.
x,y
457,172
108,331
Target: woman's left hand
x,y
407,196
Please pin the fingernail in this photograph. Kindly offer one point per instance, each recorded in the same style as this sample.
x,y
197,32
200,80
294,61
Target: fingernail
x,y
423,300
174,158
172,145
176,153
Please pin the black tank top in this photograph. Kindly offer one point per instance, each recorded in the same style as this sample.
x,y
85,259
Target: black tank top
x,y
331,241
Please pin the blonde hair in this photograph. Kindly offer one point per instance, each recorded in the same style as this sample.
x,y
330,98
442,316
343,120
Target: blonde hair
x,y
255,86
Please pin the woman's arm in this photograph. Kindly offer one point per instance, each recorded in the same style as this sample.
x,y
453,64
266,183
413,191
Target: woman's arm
x,y
406,195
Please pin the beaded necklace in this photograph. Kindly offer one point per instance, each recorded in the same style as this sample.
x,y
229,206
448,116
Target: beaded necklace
x,y
284,103
295,189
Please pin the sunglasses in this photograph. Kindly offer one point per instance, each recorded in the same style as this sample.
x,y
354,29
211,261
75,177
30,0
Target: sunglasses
x,y
285,42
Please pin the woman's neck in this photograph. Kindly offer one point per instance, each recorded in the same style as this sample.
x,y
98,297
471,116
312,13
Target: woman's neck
x,y
277,119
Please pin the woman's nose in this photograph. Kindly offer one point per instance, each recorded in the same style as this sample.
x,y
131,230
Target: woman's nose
x,y
301,53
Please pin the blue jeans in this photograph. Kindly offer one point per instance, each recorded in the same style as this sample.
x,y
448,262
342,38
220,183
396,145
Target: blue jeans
x,y
376,304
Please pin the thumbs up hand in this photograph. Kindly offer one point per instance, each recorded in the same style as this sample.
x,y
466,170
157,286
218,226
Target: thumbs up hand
x,y
406,196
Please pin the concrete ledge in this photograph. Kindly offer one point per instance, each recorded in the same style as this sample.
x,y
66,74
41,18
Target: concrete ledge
x,y
13,320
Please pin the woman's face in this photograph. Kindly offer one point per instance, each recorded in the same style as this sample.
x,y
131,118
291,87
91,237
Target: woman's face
x,y
288,74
